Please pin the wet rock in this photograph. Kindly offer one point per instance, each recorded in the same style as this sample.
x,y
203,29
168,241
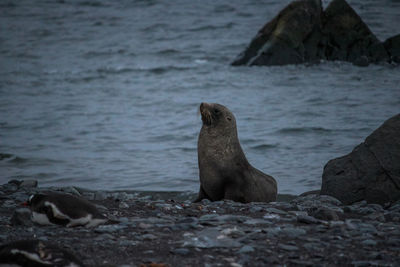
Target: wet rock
x,y
260,222
392,46
123,205
326,214
290,38
246,249
28,184
277,211
180,251
111,228
148,237
302,32
307,219
209,238
369,242
22,216
288,247
361,61
370,172
349,38
100,195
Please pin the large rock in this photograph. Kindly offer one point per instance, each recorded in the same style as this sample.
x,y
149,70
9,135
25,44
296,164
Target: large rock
x,y
370,172
289,38
392,46
302,32
348,37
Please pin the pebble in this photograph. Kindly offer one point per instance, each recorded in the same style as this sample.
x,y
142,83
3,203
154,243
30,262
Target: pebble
x,y
223,233
28,184
180,251
307,219
288,247
246,249
22,217
123,205
369,242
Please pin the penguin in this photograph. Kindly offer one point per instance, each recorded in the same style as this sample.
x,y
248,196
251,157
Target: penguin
x,y
64,209
36,253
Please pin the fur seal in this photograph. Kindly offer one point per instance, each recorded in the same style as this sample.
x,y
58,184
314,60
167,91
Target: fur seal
x,y
224,170
64,209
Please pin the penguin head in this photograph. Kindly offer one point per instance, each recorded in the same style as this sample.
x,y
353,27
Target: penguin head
x,y
33,200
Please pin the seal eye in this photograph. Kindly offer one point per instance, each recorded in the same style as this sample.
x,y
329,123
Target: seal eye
x,y
216,111
228,118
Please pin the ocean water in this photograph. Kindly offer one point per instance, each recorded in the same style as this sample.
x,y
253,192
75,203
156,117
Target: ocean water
x,y
105,94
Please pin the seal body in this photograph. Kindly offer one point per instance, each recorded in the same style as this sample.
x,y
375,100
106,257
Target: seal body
x,y
64,209
224,170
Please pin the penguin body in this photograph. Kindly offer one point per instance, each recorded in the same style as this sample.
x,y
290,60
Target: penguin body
x,y
36,253
64,209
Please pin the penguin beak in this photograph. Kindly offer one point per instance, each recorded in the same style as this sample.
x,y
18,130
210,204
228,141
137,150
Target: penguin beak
x,y
26,204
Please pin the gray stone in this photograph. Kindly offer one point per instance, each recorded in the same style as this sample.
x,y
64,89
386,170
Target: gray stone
x,y
392,46
180,251
9,203
260,222
215,219
369,242
22,216
370,172
288,247
123,205
307,219
290,38
298,34
293,232
100,195
326,214
246,249
28,184
277,211
110,228
209,238
148,237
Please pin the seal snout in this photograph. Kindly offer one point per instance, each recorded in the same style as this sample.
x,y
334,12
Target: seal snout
x,y
206,116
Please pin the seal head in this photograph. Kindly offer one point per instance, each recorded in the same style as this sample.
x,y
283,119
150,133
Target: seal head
x,y
224,170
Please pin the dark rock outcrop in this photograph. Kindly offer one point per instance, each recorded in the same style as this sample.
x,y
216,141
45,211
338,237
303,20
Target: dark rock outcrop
x,y
392,46
370,172
302,32
289,38
349,38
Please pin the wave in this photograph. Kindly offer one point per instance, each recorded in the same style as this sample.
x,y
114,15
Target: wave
x,y
12,158
295,130
263,147
212,27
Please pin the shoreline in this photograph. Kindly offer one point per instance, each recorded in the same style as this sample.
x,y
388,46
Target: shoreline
x,y
309,230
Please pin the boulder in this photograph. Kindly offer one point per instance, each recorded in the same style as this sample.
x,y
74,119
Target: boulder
x,y
392,46
302,32
290,38
370,172
348,38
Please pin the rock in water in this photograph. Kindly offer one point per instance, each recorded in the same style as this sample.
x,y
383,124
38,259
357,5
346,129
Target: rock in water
x,y
290,38
348,37
370,172
392,45
302,32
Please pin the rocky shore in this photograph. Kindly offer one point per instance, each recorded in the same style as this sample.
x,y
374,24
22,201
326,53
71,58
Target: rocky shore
x,y
167,229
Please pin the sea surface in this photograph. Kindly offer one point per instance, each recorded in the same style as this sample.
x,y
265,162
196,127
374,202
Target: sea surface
x,y
105,94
